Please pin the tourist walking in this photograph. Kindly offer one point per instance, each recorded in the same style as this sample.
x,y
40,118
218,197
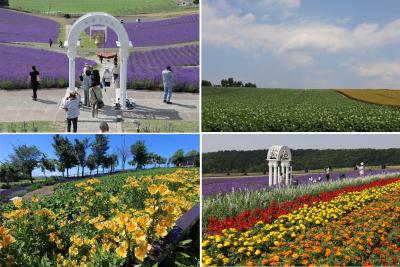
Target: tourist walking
x,y
71,106
96,96
87,83
107,77
60,44
115,72
101,58
50,43
168,81
328,173
33,80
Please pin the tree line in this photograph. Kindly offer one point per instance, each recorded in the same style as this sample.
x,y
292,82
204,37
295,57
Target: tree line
x,y
230,82
303,159
82,154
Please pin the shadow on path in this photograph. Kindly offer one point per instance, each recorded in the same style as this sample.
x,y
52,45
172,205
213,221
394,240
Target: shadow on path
x,y
143,112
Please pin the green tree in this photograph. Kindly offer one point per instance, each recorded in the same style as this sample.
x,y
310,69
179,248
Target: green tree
x,y
178,157
4,3
9,172
27,158
65,152
194,153
47,164
99,150
140,154
160,160
80,148
91,163
123,152
113,161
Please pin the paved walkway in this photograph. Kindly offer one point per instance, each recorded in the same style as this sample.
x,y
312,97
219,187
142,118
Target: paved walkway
x,y
17,106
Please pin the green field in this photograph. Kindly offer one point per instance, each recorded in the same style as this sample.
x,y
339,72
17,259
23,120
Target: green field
x,y
292,110
115,7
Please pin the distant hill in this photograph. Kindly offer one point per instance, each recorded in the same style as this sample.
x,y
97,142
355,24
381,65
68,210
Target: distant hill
x,y
255,161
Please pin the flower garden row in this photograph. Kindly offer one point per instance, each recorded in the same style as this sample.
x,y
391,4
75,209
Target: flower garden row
x,y
144,67
281,235
114,220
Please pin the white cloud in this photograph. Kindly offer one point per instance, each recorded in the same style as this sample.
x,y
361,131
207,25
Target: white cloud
x,y
296,41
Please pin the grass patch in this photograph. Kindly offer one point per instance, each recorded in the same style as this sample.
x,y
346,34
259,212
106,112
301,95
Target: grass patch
x,y
161,126
31,127
115,7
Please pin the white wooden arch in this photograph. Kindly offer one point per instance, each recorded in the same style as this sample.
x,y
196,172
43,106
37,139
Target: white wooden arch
x,y
279,165
100,18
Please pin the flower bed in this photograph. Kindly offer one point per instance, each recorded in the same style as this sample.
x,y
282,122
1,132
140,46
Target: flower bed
x,y
16,63
144,68
114,220
22,27
250,217
253,245
156,33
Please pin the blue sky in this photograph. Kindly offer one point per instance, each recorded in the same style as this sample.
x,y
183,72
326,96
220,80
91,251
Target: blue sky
x,y
218,142
162,144
302,43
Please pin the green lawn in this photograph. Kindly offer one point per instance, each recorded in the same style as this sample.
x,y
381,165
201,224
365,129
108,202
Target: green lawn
x,y
31,127
162,126
115,7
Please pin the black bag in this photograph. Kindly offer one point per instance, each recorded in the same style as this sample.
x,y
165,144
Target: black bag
x,y
81,78
100,103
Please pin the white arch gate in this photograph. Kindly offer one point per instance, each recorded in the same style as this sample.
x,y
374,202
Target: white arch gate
x,y
100,18
280,169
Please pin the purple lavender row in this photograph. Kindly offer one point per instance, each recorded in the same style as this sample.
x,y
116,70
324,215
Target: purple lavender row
x,y
162,32
147,66
22,27
16,63
213,186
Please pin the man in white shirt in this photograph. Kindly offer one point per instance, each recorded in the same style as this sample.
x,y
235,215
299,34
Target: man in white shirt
x,y
168,81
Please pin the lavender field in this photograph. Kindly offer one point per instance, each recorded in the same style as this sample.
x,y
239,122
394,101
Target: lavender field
x,y
22,27
212,186
144,69
16,63
156,33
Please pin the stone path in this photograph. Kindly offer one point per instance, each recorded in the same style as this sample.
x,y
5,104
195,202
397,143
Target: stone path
x,y
17,106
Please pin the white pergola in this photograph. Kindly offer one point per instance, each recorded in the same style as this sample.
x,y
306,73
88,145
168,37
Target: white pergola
x,y
93,19
280,169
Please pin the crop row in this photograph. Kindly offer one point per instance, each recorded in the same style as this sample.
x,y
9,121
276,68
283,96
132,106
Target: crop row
x,y
291,110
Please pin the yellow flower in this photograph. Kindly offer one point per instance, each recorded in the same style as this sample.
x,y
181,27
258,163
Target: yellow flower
x,y
161,230
53,236
153,189
34,199
132,226
114,200
142,250
163,189
106,247
122,250
17,202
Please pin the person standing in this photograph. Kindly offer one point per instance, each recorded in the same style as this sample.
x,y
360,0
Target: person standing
x,y
115,72
34,79
50,43
101,58
107,77
168,81
361,169
60,44
71,106
87,83
328,173
96,96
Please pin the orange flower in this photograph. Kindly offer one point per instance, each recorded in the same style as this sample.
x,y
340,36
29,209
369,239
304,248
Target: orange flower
x,y
360,247
264,262
304,262
368,263
328,252
251,263
347,257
